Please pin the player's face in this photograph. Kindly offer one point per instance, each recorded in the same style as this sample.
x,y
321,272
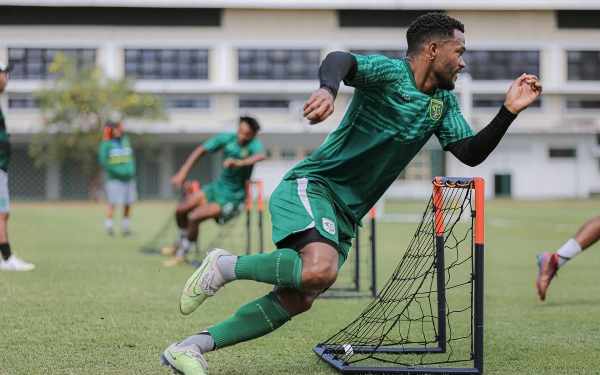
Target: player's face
x,y
245,133
450,61
3,80
117,132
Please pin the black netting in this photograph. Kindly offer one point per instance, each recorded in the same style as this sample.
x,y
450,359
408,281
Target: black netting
x,y
25,181
74,183
239,235
148,176
412,318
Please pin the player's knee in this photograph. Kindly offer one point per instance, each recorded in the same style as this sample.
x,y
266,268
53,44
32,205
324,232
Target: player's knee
x,y
319,276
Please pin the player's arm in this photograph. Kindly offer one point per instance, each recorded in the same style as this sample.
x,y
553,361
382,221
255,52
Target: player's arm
x,y
474,150
336,67
103,155
180,176
246,162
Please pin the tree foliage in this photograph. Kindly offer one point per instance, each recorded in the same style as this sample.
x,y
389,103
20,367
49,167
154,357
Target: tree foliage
x,y
75,108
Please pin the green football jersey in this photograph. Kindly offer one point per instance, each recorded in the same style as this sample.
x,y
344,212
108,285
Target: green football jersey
x,y
388,121
232,182
5,147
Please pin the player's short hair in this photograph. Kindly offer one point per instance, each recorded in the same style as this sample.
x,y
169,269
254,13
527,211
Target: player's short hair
x,y
254,125
428,27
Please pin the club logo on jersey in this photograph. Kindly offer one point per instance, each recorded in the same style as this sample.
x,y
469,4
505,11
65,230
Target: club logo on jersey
x,y
244,152
435,109
329,226
405,97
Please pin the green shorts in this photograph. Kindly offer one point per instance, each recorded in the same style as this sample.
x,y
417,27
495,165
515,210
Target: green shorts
x,y
230,206
298,205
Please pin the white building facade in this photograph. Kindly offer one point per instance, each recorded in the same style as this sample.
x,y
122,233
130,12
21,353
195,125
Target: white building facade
x,y
257,58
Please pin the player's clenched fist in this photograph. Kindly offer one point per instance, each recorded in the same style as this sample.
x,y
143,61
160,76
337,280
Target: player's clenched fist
x,y
318,107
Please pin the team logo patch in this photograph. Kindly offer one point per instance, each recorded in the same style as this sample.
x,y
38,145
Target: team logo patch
x,y
329,226
435,109
244,152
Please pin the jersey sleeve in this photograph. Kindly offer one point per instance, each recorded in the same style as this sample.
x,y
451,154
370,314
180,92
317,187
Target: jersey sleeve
x,y
255,147
216,142
454,126
103,154
374,72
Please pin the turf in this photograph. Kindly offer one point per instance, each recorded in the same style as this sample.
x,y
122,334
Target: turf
x,y
95,305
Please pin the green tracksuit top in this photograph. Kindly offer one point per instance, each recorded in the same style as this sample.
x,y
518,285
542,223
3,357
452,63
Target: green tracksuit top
x,y
116,156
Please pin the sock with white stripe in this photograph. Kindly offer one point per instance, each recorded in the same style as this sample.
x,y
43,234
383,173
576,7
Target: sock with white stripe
x,y
570,249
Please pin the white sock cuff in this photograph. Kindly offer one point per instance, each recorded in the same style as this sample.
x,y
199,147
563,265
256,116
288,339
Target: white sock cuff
x,y
108,223
182,232
569,249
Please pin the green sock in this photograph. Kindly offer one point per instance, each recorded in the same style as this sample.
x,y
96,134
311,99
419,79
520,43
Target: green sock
x,y
253,320
282,267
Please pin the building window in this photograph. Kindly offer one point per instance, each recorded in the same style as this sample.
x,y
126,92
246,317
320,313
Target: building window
x,y
583,103
502,185
34,63
562,153
186,101
583,65
501,65
578,19
263,103
278,64
379,17
167,63
109,16
391,53
16,101
497,101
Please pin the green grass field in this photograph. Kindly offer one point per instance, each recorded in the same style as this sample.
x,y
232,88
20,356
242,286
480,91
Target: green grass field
x,y
95,305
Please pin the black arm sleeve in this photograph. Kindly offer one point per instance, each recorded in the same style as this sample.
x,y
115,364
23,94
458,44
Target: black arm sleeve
x,y
336,67
474,150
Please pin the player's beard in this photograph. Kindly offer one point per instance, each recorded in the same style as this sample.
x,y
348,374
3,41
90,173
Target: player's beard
x,y
445,77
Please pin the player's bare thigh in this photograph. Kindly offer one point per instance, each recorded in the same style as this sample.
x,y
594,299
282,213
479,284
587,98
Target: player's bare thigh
x,y
192,202
206,211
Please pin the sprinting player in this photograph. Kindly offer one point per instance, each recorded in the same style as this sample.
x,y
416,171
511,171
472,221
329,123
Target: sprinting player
x,y
397,106
221,200
9,262
117,158
549,263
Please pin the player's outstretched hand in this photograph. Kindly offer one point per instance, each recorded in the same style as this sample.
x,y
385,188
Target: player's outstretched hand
x,y
318,107
524,91
177,180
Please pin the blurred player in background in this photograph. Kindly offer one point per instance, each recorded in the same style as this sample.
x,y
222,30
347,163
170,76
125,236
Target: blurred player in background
x,y
10,262
397,106
117,158
223,199
549,263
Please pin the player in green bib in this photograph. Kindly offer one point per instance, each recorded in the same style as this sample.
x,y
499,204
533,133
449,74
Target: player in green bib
x,y
223,199
397,106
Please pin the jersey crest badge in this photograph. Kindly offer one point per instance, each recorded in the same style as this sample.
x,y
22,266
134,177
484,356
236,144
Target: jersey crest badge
x,y
435,109
244,152
329,226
